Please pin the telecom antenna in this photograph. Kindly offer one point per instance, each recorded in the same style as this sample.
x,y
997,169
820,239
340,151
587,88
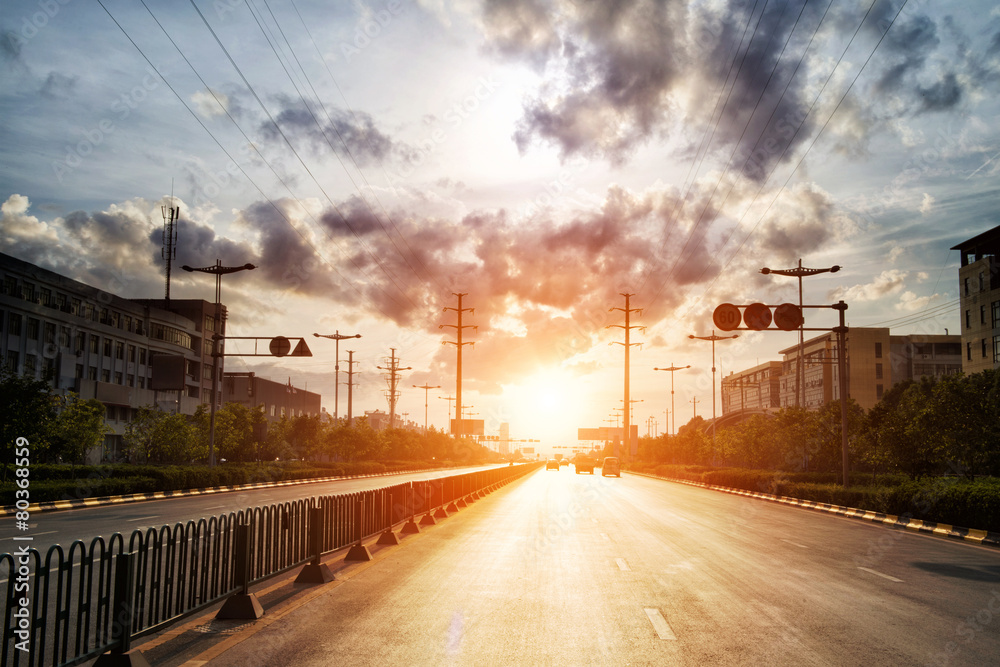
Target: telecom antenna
x,y
171,214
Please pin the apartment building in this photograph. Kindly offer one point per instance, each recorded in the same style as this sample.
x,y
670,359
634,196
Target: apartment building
x,y
979,294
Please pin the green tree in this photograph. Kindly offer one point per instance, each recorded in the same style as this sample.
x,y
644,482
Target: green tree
x,y
78,427
28,409
160,437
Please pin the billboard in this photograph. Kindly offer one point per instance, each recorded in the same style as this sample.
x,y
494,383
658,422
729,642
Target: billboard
x,y
467,426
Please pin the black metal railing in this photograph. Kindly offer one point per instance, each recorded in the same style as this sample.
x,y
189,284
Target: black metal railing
x,y
92,599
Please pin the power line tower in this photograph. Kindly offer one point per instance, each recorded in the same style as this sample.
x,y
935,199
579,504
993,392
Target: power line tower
x,y
627,431
350,388
391,381
458,346
171,214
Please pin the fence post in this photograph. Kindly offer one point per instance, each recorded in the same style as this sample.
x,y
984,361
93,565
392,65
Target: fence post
x,y
121,625
388,537
441,512
241,605
359,551
315,571
452,507
428,519
411,525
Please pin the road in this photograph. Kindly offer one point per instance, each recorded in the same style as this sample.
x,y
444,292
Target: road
x,y
562,569
62,527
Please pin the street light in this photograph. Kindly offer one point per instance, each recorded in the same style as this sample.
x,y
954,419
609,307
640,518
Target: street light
x,y
672,369
337,336
218,340
426,388
713,338
799,272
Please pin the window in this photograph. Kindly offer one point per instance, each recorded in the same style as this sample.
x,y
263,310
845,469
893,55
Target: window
x,y
118,378
30,362
14,324
79,372
116,319
984,347
10,285
982,281
142,382
142,355
106,375
95,344
34,326
968,351
92,373
131,380
49,331
119,350
966,286
878,350
128,323
878,371
878,392
12,361
27,291
209,323
49,370
75,307
968,319
107,347
982,314
46,297
996,314
131,353
996,349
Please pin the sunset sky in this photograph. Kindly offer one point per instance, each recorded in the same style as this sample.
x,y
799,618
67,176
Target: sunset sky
x,y
373,158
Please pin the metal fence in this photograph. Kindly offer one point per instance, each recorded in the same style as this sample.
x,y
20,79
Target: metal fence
x,y
87,600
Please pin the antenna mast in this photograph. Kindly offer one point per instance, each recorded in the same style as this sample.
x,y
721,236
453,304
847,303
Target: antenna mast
x,y
171,214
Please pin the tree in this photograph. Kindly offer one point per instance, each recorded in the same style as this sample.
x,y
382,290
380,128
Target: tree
x,y
160,437
28,409
78,428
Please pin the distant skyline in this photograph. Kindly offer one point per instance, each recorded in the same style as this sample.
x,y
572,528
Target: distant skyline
x,y
543,157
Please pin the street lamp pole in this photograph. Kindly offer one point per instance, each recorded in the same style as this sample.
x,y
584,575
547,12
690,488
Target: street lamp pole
x,y
672,369
218,341
426,388
713,338
799,272
336,336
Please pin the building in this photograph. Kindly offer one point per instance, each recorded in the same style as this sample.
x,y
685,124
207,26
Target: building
x,y
979,294
125,353
756,388
276,399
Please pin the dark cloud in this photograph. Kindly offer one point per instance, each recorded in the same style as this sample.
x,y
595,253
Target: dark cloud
x,y
352,135
59,85
521,29
943,95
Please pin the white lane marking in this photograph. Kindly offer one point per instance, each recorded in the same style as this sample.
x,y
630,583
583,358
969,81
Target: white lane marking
x,y
605,536
622,565
660,624
879,574
215,507
143,518
795,544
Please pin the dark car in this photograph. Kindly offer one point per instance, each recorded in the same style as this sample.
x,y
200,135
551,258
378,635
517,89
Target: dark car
x,y
552,464
584,464
611,466
563,462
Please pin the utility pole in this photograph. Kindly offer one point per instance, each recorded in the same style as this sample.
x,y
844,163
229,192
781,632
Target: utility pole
x,y
458,346
391,381
627,435
713,338
426,388
350,388
672,369
336,336
449,399
694,401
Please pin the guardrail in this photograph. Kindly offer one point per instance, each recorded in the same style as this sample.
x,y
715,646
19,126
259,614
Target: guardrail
x,y
89,600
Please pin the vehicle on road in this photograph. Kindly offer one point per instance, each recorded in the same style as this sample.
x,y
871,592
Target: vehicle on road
x,y
552,464
584,464
611,466
563,462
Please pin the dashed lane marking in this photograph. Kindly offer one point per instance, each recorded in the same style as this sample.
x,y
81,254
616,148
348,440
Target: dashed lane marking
x,y
879,574
660,624
622,565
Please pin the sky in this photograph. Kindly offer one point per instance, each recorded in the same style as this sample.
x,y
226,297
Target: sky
x,y
542,158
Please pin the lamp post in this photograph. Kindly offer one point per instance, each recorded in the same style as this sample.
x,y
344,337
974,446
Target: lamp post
x,y
672,369
218,340
713,338
336,336
426,388
799,272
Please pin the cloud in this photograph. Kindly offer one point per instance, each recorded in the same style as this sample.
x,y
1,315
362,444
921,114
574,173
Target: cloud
x,y
326,132
891,281
927,205
210,103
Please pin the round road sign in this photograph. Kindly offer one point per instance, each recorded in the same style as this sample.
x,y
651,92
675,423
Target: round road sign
x,y
726,317
757,316
788,317
280,346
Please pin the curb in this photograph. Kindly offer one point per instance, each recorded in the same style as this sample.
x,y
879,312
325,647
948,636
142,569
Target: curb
x,y
959,533
56,505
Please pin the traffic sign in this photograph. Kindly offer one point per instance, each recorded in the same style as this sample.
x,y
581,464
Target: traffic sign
x,y
280,346
788,317
757,316
302,350
726,317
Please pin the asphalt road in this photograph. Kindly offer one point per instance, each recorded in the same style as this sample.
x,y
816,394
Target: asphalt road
x,y
65,526
561,569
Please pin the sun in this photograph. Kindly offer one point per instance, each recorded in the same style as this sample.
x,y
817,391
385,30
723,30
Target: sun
x,y
546,406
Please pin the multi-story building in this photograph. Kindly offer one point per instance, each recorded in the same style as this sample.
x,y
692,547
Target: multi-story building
x,y
275,399
979,290
875,360
756,388
125,353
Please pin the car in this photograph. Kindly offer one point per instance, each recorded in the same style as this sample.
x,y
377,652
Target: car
x,y
584,464
611,466
552,464
563,462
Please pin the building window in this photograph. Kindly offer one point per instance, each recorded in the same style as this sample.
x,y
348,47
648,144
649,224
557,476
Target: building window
x,y
878,371
106,375
118,378
131,353
131,380
142,382
996,314
968,351
33,328
10,285
95,344
116,319
878,350
49,371
75,306
142,355
128,323
79,372
968,319
12,361
14,324
28,291
30,362
982,281
49,330
92,373
119,350
966,285
107,347
996,349
982,314
984,348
